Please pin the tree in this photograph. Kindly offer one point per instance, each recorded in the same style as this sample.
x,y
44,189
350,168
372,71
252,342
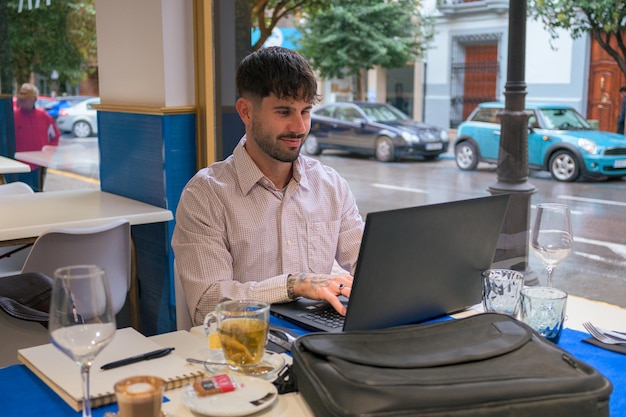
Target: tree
x,y
267,13
61,37
603,19
352,36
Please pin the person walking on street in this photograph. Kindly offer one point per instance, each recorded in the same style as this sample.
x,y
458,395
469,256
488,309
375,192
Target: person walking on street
x,y
621,119
34,128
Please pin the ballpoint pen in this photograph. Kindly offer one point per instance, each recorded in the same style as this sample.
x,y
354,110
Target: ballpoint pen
x,y
138,358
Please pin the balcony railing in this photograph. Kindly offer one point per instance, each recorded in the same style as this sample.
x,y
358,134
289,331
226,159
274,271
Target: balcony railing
x,y
457,7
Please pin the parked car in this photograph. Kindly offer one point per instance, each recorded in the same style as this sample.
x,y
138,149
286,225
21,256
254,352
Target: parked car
x,y
42,102
560,141
373,129
63,102
80,119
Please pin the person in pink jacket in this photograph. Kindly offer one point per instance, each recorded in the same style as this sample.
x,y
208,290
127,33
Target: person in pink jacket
x,y
34,128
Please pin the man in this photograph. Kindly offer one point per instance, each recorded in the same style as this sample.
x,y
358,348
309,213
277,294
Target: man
x,y
34,128
267,223
622,113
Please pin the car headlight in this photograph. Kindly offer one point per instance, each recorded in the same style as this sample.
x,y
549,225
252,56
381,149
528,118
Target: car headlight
x,y
588,145
444,135
410,137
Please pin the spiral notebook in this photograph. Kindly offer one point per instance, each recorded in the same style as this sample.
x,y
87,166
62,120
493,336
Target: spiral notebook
x,y
62,375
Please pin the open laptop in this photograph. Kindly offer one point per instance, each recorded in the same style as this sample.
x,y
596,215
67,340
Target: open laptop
x,y
414,264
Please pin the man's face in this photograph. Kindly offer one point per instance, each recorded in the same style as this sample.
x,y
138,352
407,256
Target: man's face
x,y
27,103
279,127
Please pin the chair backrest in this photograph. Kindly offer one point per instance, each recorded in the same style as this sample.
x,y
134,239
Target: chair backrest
x,y
107,245
183,318
11,265
14,188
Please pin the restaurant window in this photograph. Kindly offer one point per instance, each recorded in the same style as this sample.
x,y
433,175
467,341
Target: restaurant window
x,y
62,89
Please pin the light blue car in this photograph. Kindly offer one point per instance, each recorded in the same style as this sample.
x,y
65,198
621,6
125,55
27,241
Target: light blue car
x,y
560,141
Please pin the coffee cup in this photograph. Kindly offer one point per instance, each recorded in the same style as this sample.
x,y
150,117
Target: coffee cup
x,y
241,326
139,396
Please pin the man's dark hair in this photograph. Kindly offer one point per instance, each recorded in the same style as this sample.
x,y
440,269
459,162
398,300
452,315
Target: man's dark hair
x,y
278,71
622,89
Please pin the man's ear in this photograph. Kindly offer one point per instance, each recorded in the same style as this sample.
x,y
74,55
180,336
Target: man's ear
x,y
244,108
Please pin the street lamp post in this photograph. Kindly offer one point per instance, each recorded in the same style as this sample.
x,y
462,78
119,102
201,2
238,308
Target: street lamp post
x,y
512,172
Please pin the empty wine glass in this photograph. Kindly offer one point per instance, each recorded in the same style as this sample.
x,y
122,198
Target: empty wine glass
x,y
551,235
81,320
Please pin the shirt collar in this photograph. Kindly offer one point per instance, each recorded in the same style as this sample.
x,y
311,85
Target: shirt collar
x,y
248,174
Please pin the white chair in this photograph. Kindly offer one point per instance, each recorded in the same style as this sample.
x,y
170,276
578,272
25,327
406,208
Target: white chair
x,y
183,318
107,245
14,188
12,263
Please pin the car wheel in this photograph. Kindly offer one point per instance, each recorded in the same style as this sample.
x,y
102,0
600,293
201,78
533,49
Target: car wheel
x,y
466,156
385,150
311,146
81,129
564,166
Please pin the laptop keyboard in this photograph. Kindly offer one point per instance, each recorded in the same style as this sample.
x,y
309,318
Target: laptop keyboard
x,y
327,317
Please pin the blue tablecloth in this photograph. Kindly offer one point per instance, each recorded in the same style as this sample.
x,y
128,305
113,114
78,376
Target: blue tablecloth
x,y
23,394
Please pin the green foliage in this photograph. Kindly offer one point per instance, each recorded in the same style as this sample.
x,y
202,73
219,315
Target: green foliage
x,y
266,13
58,37
355,35
605,20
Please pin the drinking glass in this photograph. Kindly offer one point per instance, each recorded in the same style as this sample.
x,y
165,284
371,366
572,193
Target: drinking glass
x,y
81,320
551,235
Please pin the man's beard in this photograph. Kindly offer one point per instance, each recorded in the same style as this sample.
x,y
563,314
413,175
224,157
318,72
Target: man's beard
x,y
270,144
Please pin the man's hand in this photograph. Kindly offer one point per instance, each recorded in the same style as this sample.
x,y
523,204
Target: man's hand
x,y
321,287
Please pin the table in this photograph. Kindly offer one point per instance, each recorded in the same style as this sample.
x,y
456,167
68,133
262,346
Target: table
x,y
11,166
24,217
74,157
189,344
579,310
27,216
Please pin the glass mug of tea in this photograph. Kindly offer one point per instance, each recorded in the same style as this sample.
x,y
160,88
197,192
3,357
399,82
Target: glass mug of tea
x,y
241,326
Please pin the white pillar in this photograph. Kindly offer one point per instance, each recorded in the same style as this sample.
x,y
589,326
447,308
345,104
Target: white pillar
x,y
145,52
377,85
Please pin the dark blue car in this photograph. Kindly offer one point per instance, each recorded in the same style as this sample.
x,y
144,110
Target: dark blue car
x,y
374,129
560,141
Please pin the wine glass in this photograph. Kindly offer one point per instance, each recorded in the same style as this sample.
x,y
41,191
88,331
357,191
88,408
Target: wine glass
x,y
551,235
81,321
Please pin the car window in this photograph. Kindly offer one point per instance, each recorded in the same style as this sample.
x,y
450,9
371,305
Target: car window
x,y
326,111
486,115
564,119
348,114
384,113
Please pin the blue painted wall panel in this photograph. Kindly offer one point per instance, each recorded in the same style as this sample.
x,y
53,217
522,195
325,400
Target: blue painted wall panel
x,y
149,158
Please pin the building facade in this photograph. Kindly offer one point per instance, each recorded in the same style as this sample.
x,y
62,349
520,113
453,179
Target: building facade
x,y
468,61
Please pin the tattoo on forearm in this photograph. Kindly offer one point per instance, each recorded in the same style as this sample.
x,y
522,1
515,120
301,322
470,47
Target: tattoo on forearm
x,y
314,280
291,285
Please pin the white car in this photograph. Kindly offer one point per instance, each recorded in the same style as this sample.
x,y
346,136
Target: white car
x,y
80,119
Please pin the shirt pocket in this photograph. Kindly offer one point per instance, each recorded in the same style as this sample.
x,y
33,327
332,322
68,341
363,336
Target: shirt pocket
x,y
322,245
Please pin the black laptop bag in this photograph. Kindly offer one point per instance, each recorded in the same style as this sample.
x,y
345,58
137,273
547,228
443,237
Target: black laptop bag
x,y
484,365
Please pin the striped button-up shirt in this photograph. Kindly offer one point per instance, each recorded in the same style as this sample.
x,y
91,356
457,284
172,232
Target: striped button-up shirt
x,y
238,236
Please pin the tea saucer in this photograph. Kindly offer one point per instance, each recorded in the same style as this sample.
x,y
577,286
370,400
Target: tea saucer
x,y
252,396
274,361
